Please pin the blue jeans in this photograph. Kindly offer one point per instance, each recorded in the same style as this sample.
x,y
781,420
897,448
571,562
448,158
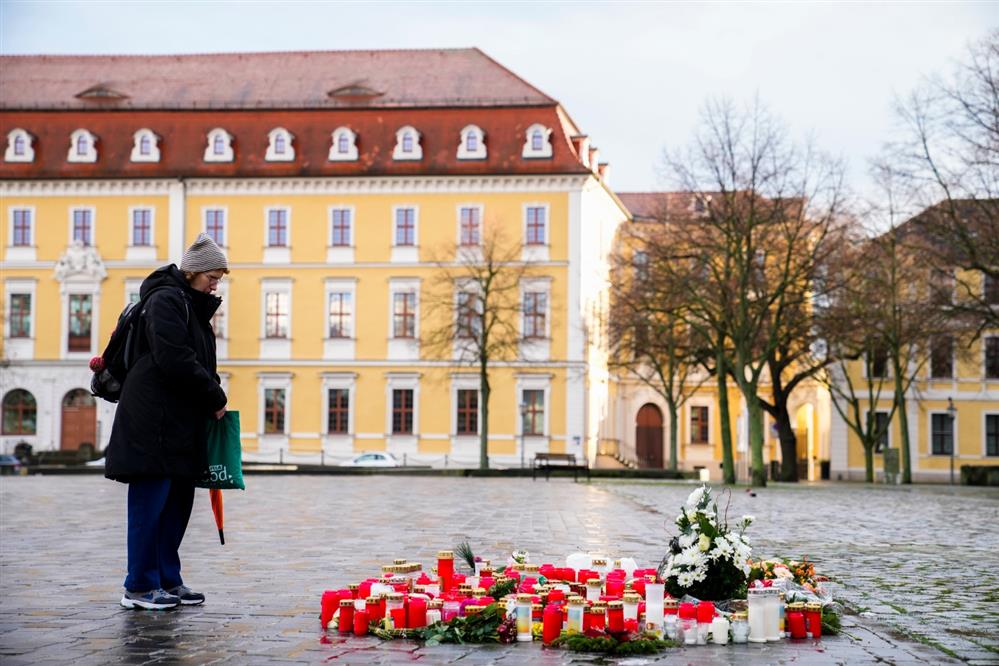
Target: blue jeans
x,y
158,511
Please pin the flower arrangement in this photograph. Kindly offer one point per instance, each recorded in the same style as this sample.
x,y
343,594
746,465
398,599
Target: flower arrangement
x,y
799,572
708,559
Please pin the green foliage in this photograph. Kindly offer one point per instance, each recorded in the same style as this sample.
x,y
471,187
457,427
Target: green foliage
x,y
464,551
830,622
724,581
500,590
641,644
482,627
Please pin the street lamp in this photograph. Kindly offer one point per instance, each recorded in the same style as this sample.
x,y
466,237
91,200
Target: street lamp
x,y
952,414
523,419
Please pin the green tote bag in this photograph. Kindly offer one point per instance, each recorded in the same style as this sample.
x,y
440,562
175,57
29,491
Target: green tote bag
x,y
225,454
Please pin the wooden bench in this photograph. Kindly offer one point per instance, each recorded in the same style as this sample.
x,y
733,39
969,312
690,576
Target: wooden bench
x,y
546,462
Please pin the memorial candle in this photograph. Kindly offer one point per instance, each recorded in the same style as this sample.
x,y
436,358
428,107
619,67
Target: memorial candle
x,y
445,569
598,621
796,620
360,622
757,613
373,606
551,623
654,603
593,587
630,605
524,619
615,616
813,619
574,618
328,605
416,613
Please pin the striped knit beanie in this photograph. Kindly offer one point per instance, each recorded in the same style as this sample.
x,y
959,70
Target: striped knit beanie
x,y
204,255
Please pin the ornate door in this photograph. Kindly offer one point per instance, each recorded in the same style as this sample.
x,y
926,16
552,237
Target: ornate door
x,y
79,420
649,436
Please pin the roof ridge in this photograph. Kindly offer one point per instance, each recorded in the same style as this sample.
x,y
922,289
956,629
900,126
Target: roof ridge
x,y
242,53
513,74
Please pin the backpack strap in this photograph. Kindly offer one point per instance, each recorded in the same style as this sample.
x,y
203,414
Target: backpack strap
x,y
136,314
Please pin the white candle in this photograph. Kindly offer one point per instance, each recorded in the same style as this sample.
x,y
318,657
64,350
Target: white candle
x,y
772,615
719,630
757,621
654,603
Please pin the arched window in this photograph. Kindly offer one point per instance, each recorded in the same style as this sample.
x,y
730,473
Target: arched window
x,y
472,145
82,147
19,413
78,398
279,146
407,144
344,145
145,147
537,142
19,146
219,148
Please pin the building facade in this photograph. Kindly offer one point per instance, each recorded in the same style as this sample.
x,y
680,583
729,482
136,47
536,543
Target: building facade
x,y
334,181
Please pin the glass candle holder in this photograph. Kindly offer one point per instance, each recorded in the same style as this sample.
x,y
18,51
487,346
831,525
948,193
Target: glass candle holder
x,y
813,619
524,617
772,615
615,616
434,611
719,630
593,588
574,616
757,615
654,607
740,627
630,603
796,620
345,625
551,623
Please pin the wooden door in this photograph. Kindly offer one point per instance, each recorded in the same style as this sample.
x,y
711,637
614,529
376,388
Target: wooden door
x,y
79,420
649,436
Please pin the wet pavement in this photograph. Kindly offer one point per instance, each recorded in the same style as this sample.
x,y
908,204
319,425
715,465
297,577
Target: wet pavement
x,y
919,565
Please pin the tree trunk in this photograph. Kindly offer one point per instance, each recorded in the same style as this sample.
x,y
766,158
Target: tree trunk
x,y
484,426
788,443
728,460
673,435
868,462
759,476
903,422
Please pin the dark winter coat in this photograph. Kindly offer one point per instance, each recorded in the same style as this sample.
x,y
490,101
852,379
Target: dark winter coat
x,y
171,389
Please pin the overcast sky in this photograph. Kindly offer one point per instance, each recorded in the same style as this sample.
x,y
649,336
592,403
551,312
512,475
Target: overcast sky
x,y
633,75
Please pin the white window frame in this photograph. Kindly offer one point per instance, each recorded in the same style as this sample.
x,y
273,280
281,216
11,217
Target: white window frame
x,y
143,253
406,254
402,443
480,152
985,358
227,154
701,402
154,146
20,349
955,438
533,382
86,287
222,337
416,154
881,411
985,433
277,254
225,222
88,157
546,143
22,252
464,382
339,348
537,251
536,349
339,444
132,286
341,254
271,442
93,224
275,348
351,155
289,146
464,349
404,349
29,148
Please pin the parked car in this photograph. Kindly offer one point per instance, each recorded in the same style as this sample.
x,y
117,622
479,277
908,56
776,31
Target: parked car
x,y
10,465
375,459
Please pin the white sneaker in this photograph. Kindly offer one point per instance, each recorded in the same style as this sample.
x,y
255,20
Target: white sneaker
x,y
151,600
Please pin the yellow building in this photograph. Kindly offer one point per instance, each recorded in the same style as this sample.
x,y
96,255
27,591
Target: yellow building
x,y
332,180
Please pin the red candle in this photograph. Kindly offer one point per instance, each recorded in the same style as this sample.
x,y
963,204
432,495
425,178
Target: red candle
x,y
615,616
813,619
364,589
487,582
328,605
639,586
360,622
445,569
796,623
556,595
551,624
374,608
416,613
599,621
346,623
630,625
399,618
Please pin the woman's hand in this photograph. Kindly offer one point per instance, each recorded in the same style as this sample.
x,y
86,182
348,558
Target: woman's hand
x,y
219,414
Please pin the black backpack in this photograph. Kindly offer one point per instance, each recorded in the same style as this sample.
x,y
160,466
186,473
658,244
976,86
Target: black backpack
x,y
119,354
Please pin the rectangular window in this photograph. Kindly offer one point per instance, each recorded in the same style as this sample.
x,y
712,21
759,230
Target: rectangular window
x,y
80,315
535,306
404,314
341,227
468,411
20,316
469,323
277,228
142,227
276,318
640,262
470,226
698,424
83,225
878,362
942,434
274,405
402,411
942,358
339,411
992,434
881,429
215,225
22,227
992,358
536,225
990,290
340,314
405,226
533,412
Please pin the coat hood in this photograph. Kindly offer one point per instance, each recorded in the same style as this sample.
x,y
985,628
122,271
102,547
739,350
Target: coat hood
x,y
204,305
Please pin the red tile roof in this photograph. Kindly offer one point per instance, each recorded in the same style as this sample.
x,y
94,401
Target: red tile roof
x,y
300,80
647,206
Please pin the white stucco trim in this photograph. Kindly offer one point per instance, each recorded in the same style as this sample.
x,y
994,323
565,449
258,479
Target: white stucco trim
x,y
90,148
154,146
28,154
350,155
20,349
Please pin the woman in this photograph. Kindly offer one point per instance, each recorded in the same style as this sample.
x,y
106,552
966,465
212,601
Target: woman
x,y
158,439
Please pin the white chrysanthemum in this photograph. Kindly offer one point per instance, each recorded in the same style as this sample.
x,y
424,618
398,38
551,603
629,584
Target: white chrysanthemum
x,y
695,497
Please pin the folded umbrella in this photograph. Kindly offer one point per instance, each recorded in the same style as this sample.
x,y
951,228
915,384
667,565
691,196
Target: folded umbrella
x,y
216,497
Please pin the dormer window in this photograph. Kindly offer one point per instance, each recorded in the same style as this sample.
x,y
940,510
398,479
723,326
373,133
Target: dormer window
x,y
473,144
279,146
407,144
146,146
538,142
19,146
344,145
219,148
82,147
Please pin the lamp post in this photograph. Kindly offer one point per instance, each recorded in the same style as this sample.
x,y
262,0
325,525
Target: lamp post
x,y
523,418
952,414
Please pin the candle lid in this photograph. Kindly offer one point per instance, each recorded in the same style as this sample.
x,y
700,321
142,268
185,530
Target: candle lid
x,y
599,562
597,610
445,555
353,586
740,616
374,599
537,606
632,598
798,605
576,601
479,591
813,606
394,596
594,582
472,609
670,603
615,604
525,597
399,560
388,568
532,568
435,604
346,603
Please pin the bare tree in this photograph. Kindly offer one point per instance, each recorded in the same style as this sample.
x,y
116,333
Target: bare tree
x,y
475,307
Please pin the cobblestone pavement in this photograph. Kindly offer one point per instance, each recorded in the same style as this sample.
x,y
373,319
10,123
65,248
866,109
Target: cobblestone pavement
x,y
905,554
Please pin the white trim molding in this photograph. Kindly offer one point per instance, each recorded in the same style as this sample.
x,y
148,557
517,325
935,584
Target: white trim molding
x,y
21,252
26,146
145,134
402,442
340,348
338,444
275,348
85,139
340,254
350,138
141,253
472,145
226,153
20,349
407,137
280,138
404,349
536,251
271,442
531,149
277,254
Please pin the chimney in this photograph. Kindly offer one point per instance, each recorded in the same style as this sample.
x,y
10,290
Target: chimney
x,y
594,157
603,171
581,144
